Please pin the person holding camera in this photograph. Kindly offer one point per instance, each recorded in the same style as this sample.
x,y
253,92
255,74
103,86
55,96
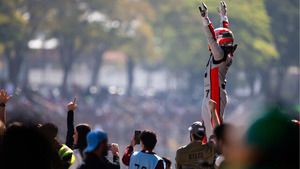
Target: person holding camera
x,y
97,150
146,158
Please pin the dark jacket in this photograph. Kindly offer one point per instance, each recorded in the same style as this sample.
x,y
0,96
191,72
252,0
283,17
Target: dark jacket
x,y
195,156
70,129
94,162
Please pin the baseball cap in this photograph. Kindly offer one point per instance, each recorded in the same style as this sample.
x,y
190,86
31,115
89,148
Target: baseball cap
x,y
197,128
93,139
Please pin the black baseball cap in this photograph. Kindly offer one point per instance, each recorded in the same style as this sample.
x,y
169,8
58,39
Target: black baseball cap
x,y
197,128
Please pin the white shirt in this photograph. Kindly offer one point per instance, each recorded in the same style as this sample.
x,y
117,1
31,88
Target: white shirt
x,y
143,160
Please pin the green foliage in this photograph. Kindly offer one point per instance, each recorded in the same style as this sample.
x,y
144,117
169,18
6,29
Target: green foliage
x,y
179,33
285,29
253,33
136,32
12,23
185,47
155,32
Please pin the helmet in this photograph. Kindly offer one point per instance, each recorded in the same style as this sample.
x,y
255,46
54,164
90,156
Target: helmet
x,y
224,36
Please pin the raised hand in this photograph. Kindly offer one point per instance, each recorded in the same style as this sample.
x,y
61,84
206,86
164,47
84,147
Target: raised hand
x,y
222,9
115,149
72,106
4,97
203,10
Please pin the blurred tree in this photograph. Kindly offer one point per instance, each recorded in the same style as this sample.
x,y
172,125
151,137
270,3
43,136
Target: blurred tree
x,y
152,33
178,32
256,51
19,22
78,25
100,40
285,29
181,38
136,37
101,33
67,26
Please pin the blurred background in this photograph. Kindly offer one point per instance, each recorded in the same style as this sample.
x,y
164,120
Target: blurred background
x,y
139,64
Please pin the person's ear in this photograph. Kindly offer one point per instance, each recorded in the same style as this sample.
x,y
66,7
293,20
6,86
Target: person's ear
x,y
101,146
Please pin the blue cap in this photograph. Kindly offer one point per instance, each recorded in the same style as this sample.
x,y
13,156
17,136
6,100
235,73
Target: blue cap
x,y
93,139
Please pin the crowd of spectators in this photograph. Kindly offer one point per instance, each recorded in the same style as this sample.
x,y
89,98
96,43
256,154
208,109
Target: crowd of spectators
x,y
102,109
83,135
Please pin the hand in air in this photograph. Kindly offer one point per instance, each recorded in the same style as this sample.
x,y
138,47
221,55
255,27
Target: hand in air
x,y
115,149
203,10
222,9
72,106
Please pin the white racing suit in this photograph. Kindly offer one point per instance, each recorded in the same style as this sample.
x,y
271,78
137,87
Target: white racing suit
x,y
214,78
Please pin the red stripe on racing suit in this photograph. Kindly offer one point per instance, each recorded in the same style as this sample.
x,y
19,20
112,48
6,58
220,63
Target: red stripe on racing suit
x,y
215,96
212,31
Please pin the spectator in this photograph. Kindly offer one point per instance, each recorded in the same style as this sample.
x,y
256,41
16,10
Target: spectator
x,y
80,143
145,159
66,155
273,142
76,138
25,147
196,155
223,141
96,151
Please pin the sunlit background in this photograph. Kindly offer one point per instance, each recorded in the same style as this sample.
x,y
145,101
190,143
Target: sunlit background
x,y
138,64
